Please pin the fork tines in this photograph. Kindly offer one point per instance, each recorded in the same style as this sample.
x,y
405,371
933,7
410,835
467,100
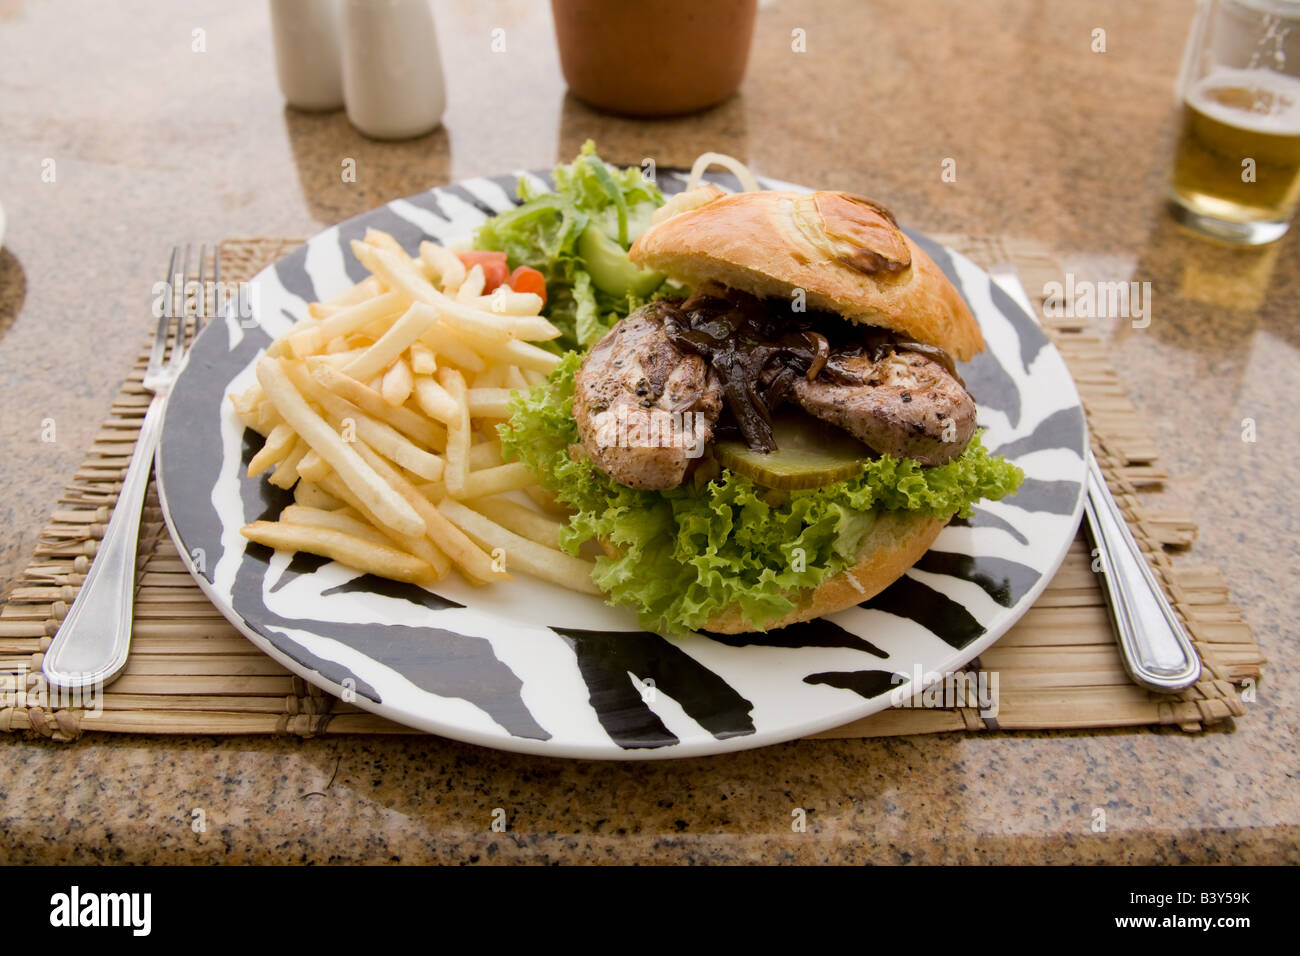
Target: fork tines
x,y
193,274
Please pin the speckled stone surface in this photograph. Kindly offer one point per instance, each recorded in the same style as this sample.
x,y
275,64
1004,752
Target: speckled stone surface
x,y
153,143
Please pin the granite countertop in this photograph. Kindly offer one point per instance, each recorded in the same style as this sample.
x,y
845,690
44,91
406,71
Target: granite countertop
x,y
152,142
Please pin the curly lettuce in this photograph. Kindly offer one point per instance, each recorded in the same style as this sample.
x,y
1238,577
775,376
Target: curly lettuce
x,y
543,233
688,553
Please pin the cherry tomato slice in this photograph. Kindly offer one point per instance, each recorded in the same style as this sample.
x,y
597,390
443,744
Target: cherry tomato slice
x,y
528,279
495,270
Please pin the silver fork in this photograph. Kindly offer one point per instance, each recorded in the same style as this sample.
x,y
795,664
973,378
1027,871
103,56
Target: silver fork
x,y
92,643
1157,651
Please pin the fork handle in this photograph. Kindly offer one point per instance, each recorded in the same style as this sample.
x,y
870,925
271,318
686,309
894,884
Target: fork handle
x,y
1158,654
91,645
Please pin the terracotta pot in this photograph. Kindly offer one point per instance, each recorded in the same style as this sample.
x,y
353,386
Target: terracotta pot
x,y
653,57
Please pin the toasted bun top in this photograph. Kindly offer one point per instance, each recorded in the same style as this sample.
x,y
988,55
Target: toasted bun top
x,y
844,251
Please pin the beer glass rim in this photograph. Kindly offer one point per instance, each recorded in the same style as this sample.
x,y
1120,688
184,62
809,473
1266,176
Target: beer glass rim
x,y
1284,8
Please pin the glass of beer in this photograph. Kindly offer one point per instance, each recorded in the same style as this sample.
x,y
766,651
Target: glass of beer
x,y
1236,172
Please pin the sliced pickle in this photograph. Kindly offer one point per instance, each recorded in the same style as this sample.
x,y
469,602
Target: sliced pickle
x,y
809,453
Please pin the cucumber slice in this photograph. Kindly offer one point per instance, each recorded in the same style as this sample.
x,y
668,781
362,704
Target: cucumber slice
x,y
639,217
809,454
611,269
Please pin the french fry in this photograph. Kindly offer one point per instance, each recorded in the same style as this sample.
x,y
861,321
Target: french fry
x,y
267,418
278,444
255,412
515,380
383,438
497,480
300,376
392,271
311,340
398,383
512,351
335,520
435,400
367,288
504,301
477,565
374,360
372,332
246,403
545,563
512,476
486,454
406,421
423,360
311,495
313,467
389,507
383,240
444,265
473,285
547,501
495,326
520,519
489,402
458,432
344,548
492,377
419,545
286,473
281,345
485,431
262,420
441,341
337,359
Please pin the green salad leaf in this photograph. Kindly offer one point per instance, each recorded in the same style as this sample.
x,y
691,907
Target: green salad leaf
x,y
543,233
688,553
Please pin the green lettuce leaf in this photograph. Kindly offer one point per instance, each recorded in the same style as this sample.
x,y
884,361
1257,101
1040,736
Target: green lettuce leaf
x,y
588,327
687,553
543,233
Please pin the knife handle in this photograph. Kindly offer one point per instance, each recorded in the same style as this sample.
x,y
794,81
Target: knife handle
x,y
1157,651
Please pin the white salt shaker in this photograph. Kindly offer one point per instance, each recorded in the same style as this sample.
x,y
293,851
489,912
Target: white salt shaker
x,y
308,56
392,74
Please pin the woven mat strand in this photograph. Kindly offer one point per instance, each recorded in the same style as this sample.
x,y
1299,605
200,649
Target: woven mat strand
x,y
191,672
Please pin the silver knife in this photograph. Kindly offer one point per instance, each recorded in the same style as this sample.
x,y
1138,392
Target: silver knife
x,y
1157,651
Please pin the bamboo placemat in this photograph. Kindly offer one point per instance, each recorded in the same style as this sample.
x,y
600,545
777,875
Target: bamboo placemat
x,y
191,672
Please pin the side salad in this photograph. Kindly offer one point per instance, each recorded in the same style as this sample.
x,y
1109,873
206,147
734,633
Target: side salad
x,y
577,237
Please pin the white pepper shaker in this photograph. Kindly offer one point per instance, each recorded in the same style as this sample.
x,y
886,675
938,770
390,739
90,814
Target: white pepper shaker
x,y
308,55
392,73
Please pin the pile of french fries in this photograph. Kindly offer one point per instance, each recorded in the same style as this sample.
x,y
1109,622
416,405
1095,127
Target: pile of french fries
x,y
379,410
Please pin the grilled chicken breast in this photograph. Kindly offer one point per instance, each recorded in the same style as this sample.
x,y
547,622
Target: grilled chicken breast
x,y
905,405
645,410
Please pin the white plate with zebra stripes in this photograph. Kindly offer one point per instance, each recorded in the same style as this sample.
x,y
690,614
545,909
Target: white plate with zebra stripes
x,y
532,668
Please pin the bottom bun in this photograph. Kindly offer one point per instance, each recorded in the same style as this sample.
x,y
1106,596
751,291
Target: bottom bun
x,y
891,547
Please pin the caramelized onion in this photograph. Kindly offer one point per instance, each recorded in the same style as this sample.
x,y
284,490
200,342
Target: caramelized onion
x,y
758,350
823,352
